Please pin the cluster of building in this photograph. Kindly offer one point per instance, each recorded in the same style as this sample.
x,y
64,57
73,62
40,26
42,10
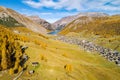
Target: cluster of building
x,y
109,54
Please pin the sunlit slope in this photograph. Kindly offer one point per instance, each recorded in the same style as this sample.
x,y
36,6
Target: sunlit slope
x,y
53,56
105,26
61,61
84,66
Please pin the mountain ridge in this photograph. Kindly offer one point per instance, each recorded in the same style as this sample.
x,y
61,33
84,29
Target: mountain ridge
x,y
96,25
66,20
22,20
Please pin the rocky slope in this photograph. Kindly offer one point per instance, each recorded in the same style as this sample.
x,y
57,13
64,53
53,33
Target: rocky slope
x,y
9,17
42,22
66,20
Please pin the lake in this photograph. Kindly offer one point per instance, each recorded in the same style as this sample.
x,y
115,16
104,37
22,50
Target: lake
x,y
54,32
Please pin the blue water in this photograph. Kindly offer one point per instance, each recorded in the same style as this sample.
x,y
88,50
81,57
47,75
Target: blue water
x,y
54,32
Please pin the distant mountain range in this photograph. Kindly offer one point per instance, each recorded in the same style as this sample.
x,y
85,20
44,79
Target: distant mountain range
x,y
66,20
94,22
11,18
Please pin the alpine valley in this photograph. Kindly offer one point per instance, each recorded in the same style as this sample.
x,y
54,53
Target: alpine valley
x,y
86,47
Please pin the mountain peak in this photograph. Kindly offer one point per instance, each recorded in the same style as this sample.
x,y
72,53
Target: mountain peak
x,y
2,8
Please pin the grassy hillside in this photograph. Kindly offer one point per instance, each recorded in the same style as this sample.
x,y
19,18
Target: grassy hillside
x,y
11,53
61,61
104,26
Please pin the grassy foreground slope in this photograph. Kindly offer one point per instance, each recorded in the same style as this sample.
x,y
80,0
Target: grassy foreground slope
x,y
61,61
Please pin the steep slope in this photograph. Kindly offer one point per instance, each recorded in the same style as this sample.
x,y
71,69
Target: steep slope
x,y
42,22
9,18
66,20
95,25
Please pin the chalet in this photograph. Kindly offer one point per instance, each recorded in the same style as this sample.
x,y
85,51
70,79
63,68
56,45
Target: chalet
x,y
31,72
35,63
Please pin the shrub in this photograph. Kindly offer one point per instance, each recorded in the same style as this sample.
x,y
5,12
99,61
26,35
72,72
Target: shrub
x,y
64,54
44,58
68,67
11,71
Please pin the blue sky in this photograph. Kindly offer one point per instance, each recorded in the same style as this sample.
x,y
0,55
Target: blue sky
x,y
52,10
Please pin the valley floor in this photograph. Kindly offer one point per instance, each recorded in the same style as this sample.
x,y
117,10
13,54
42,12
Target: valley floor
x,y
62,61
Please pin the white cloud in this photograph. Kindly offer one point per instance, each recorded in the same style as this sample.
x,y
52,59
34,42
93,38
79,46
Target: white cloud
x,y
100,5
67,4
75,4
107,6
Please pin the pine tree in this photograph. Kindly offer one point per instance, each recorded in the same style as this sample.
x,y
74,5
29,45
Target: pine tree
x,y
4,56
